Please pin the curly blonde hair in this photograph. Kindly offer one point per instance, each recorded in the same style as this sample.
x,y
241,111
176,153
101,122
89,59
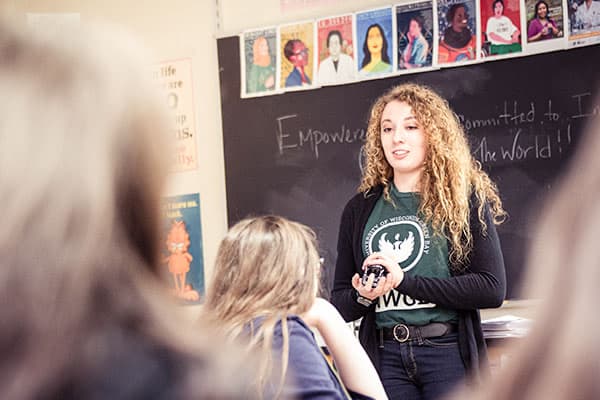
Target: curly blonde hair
x,y
450,174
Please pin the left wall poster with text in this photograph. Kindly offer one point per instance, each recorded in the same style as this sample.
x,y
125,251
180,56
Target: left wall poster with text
x,y
175,79
181,247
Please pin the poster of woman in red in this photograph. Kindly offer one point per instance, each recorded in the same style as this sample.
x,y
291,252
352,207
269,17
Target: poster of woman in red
x,y
500,21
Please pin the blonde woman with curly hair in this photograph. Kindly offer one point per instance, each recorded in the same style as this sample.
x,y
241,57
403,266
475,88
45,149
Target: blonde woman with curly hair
x,y
425,215
264,294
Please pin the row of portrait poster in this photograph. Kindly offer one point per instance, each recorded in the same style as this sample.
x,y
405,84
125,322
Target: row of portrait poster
x,y
407,38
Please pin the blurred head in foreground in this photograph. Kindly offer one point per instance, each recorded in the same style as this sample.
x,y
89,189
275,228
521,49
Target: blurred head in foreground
x,y
82,167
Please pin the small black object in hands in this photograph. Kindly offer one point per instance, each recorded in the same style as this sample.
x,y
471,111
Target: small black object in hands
x,y
377,270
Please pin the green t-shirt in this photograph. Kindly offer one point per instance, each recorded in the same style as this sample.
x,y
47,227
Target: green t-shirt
x,y
397,230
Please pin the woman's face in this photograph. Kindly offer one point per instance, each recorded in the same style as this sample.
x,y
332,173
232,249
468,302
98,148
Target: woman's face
x,y
402,138
374,40
498,9
459,21
542,11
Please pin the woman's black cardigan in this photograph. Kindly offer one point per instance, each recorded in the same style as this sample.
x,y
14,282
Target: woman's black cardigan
x,y
481,285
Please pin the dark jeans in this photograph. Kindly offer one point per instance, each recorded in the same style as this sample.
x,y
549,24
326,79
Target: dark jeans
x,y
423,369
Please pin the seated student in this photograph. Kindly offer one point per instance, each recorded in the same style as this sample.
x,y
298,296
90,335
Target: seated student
x,y
264,292
82,164
560,358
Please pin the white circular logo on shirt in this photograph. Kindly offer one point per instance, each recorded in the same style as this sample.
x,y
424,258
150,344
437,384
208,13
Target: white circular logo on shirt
x,y
404,239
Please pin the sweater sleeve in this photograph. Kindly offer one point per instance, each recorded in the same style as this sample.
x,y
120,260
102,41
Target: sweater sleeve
x,y
343,295
482,286
312,377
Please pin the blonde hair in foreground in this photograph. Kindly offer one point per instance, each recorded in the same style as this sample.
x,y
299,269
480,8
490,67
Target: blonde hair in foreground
x,y
451,174
267,267
82,166
560,358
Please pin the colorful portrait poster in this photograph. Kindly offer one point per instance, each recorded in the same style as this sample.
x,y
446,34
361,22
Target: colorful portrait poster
x,y
374,42
500,27
544,21
336,50
414,22
259,64
182,247
175,79
457,31
297,47
584,22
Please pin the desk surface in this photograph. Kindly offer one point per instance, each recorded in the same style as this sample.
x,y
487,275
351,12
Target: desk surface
x,y
518,308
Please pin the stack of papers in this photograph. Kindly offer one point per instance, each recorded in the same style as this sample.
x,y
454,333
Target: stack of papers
x,y
505,326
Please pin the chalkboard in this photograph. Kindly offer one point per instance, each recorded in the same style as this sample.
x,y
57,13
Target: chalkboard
x,y
298,154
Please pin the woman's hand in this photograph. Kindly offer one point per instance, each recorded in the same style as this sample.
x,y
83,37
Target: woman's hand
x,y
385,284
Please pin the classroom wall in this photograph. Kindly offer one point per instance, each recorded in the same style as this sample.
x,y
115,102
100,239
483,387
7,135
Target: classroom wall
x,y
175,29
234,13
171,29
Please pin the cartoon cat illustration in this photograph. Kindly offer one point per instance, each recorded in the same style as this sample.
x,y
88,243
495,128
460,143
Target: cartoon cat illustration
x,y
178,242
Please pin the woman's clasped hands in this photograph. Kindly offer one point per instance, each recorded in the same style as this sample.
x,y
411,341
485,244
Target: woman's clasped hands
x,y
386,283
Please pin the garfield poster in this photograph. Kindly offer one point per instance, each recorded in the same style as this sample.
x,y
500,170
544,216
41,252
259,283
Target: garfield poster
x,y
181,246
